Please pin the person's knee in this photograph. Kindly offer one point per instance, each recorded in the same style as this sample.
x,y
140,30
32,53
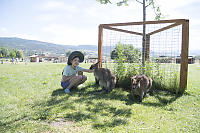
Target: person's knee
x,y
80,77
84,78
80,73
74,78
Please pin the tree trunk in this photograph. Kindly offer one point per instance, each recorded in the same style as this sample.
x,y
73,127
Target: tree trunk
x,y
144,36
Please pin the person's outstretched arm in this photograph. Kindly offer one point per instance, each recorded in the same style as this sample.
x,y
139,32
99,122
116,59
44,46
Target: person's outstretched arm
x,y
88,70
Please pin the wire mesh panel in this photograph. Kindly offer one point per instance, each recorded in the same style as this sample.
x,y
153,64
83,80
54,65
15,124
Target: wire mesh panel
x,y
163,47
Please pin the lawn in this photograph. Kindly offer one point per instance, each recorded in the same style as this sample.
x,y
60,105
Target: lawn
x,y
31,100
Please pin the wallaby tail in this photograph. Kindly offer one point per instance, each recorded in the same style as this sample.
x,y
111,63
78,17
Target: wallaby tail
x,y
62,71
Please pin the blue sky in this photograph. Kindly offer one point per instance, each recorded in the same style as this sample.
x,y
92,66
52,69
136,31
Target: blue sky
x,y
75,22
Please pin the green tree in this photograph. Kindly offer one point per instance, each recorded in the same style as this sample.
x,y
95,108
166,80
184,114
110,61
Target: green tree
x,y
19,54
12,53
132,54
4,52
68,52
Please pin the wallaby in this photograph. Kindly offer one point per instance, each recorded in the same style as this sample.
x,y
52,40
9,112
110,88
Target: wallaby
x,y
140,85
104,77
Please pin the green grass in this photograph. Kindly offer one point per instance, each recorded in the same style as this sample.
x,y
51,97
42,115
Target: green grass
x,y
31,100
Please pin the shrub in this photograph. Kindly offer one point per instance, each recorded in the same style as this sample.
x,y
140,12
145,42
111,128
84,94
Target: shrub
x,y
162,79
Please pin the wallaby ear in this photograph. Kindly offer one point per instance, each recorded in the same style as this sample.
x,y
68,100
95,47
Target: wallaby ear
x,y
139,79
91,67
133,77
98,62
133,80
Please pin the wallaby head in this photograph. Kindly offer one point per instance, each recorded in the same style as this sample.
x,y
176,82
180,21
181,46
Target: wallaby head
x,y
135,82
94,66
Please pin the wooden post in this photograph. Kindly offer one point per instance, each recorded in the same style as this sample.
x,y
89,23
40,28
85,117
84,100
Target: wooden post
x,y
184,57
147,48
100,41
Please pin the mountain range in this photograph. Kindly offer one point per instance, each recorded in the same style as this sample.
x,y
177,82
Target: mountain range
x,y
39,46
34,46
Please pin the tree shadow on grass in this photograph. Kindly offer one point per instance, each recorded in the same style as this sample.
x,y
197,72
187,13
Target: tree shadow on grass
x,y
113,123
95,110
86,96
164,98
46,110
95,105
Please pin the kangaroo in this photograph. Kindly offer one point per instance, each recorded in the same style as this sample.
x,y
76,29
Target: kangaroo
x,y
104,77
140,85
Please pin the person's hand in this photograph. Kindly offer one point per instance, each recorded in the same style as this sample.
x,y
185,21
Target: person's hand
x,y
90,71
80,73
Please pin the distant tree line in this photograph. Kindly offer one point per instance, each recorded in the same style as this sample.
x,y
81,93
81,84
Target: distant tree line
x,y
10,53
197,57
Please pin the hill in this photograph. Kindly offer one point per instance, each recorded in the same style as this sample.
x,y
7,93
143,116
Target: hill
x,y
39,46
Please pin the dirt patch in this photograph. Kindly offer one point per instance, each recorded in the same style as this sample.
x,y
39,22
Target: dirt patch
x,y
62,125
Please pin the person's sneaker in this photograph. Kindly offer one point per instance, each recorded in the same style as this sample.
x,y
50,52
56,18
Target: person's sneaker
x,y
74,88
81,85
67,91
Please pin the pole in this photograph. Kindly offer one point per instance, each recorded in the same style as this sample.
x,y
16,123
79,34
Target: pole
x,y
144,37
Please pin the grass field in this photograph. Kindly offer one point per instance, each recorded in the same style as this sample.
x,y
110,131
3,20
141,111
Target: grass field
x,y
31,100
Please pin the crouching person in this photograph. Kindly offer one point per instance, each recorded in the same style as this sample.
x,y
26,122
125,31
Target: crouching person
x,y
72,75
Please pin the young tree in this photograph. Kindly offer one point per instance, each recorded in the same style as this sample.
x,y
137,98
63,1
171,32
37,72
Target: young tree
x,y
145,4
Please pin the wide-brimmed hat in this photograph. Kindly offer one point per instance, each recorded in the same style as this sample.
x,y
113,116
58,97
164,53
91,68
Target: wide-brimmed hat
x,y
75,54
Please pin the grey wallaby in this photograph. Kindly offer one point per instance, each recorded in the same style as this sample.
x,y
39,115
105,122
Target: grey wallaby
x,y
140,85
104,77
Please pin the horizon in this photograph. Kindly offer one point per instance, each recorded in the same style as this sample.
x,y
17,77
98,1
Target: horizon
x,y
192,52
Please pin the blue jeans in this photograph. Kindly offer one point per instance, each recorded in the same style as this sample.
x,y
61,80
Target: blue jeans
x,y
65,84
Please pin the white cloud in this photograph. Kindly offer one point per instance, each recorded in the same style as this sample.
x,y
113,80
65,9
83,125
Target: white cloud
x,y
84,30
48,17
57,5
71,35
3,29
174,8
